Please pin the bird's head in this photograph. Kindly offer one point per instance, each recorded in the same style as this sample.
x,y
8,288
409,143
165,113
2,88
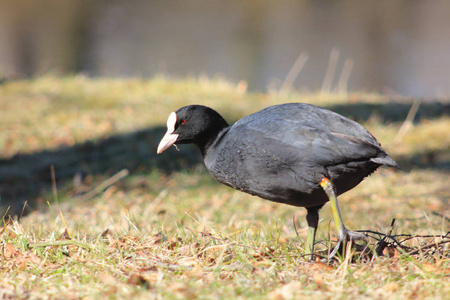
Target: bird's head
x,y
192,124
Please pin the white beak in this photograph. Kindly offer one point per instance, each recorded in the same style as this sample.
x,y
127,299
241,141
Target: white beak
x,y
169,138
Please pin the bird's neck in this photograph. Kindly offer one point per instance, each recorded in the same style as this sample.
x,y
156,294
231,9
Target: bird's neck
x,y
205,145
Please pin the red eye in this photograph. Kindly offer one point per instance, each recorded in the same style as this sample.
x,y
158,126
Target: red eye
x,y
183,122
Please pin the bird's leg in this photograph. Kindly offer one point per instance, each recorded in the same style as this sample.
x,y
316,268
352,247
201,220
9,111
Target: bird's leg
x,y
313,219
345,235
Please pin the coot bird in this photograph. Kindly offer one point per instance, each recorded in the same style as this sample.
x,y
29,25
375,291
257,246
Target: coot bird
x,y
298,154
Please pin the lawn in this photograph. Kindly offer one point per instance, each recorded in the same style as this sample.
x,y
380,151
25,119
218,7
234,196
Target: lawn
x,y
97,214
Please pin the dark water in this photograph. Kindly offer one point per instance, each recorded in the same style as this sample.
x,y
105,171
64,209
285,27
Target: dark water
x,y
398,46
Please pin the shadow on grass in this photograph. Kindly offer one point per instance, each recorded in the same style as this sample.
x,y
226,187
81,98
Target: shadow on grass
x,y
26,176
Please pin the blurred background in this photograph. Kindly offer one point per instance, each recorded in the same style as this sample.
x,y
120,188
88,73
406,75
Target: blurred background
x,y
399,46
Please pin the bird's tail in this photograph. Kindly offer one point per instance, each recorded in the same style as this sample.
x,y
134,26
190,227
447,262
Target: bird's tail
x,y
385,160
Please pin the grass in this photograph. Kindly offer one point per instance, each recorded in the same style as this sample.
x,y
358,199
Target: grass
x,y
173,232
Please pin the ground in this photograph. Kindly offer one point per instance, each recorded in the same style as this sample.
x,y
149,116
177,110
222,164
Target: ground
x,y
96,213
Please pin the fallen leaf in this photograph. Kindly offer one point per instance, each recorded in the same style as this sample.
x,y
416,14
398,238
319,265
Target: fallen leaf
x,y
321,266
265,254
285,292
390,287
25,259
104,233
391,252
138,279
10,251
429,267
432,268
159,238
282,240
318,279
107,278
187,262
191,249
34,258
196,272
182,291
64,236
173,242
151,276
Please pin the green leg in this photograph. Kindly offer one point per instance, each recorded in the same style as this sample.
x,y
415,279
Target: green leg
x,y
330,191
344,234
313,220
311,241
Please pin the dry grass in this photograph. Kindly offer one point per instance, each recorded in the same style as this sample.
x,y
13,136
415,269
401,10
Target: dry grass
x,y
176,233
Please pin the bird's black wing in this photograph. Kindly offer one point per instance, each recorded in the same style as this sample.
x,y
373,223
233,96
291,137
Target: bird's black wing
x,y
303,143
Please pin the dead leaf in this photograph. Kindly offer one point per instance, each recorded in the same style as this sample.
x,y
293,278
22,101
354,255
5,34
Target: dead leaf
x,y
104,233
390,287
264,254
138,279
285,292
107,278
127,241
432,268
191,249
144,252
25,259
112,241
187,262
391,252
34,258
152,277
196,272
182,291
318,279
76,256
262,263
321,266
429,267
64,236
2,229
9,251
173,242
159,238
282,240
217,251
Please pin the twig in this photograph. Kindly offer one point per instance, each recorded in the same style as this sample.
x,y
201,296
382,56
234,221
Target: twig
x,y
5,225
59,243
223,240
294,219
382,244
6,214
329,75
410,237
105,184
294,71
441,215
427,246
215,247
408,121
23,209
54,189
345,75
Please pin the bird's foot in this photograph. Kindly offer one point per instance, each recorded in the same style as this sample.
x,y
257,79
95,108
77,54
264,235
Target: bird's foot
x,y
355,236
346,236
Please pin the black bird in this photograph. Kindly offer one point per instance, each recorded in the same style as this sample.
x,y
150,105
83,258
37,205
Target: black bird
x,y
298,154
